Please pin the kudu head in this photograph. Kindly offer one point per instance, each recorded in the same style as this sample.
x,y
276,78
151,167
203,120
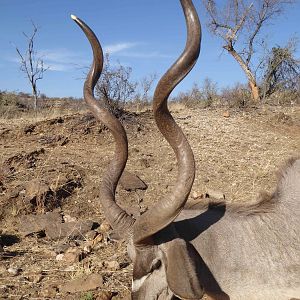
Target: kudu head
x,y
164,265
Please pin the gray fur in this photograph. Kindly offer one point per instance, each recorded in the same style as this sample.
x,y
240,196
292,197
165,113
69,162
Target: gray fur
x,y
236,255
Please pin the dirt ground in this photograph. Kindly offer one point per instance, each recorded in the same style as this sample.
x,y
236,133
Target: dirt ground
x,y
56,165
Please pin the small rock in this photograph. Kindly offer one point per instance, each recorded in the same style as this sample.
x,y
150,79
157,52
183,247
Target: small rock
x,y
196,195
131,182
86,283
36,223
68,218
104,227
59,257
217,195
14,271
35,277
112,265
72,255
226,114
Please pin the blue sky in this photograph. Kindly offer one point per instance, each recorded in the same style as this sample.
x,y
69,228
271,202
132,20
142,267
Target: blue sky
x,y
147,35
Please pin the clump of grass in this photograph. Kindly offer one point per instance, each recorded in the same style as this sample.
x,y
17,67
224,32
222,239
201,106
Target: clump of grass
x,y
87,296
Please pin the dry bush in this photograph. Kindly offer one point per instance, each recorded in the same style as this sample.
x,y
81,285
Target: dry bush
x,y
236,96
115,86
10,105
63,105
19,105
176,106
138,105
203,96
184,99
209,92
285,98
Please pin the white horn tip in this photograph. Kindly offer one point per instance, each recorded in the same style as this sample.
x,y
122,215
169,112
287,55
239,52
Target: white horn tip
x,y
73,17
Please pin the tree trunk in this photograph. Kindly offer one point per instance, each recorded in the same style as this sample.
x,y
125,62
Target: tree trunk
x,y
254,91
251,79
35,96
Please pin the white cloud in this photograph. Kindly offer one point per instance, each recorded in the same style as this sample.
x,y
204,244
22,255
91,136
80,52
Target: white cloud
x,y
62,56
120,50
146,55
60,60
58,67
114,48
64,60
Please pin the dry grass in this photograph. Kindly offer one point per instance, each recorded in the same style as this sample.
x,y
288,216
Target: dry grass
x,y
237,155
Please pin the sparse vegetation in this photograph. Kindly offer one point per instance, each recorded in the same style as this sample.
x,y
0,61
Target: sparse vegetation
x,y
18,105
281,71
115,86
31,64
75,153
87,296
239,24
236,96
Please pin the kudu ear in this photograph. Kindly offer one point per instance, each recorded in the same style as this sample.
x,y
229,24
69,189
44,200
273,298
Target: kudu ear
x,y
181,263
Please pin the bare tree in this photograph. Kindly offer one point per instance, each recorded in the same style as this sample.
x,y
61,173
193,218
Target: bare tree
x,y
31,64
209,91
115,86
146,84
239,24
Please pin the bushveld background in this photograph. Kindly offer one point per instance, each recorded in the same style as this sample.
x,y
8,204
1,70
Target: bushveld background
x,y
54,238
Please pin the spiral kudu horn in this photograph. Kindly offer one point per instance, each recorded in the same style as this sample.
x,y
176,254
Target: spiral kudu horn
x,y
168,208
116,216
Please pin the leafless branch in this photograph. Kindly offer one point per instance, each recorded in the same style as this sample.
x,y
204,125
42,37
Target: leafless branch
x,y
239,23
32,65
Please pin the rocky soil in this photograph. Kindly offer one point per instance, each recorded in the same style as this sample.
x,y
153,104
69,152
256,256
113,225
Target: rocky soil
x,y
54,240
